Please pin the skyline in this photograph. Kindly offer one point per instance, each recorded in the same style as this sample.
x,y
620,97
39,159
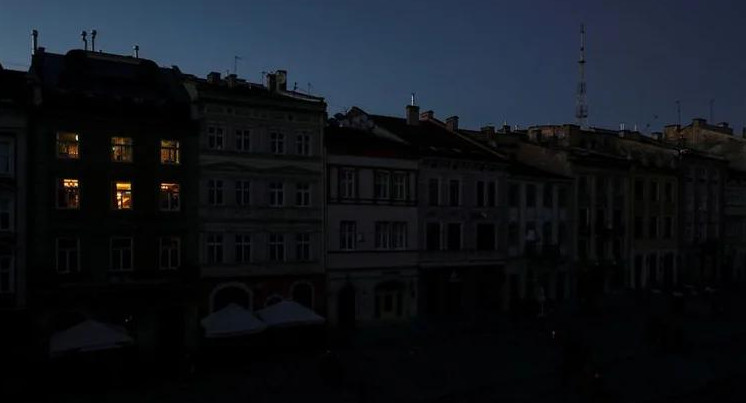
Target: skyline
x,y
486,63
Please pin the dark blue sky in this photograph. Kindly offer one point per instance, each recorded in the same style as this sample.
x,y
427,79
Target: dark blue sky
x,y
486,61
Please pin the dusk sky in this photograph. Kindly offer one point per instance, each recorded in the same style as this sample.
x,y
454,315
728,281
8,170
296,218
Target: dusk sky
x,y
486,61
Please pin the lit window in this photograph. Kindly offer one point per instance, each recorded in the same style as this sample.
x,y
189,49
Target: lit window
x,y
68,194
243,193
6,161
68,252
303,194
214,248
121,254
277,247
123,195
243,140
215,192
170,248
277,143
169,197
68,145
303,144
6,272
243,248
215,138
276,194
121,149
6,214
170,153
303,246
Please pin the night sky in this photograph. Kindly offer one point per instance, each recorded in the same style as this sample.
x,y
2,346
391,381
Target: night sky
x,y
486,61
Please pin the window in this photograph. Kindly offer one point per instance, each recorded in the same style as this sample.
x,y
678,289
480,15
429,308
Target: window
x,y
6,214
243,140
653,227
347,188
276,247
454,192
214,248
170,256
347,235
383,235
170,153
276,194
432,236
382,185
485,236
215,192
121,149
530,195
68,194
639,189
654,196
121,254
303,194
584,219
491,194
123,195
668,227
243,248
277,143
6,273
638,227
169,197
68,255
400,186
215,138
454,236
616,220
303,144
481,194
546,233
433,192
243,192
669,192
68,145
513,195
303,246
6,157
399,238
548,195
513,235
562,197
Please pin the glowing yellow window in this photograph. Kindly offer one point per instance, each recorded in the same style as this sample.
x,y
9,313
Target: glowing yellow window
x,y
123,195
68,194
170,152
68,145
169,197
121,149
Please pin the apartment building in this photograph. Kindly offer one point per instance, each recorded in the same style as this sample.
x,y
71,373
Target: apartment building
x,y
261,192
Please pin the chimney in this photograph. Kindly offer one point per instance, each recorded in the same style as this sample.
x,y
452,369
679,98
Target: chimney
x,y
84,35
413,115
136,48
34,41
506,129
231,79
657,136
699,122
272,82
282,80
427,115
452,123
93,40
213,77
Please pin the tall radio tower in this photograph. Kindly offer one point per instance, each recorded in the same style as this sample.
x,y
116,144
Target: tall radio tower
x,y
581,105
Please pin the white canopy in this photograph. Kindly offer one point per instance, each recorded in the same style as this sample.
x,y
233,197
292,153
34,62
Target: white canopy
x,y
289,313
88,335
233,320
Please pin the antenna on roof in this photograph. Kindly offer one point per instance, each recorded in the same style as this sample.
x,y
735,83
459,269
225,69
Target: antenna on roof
x,y
412,101
84,35
678,112
235,64
136,48
34,41
93,40
581,103
309,88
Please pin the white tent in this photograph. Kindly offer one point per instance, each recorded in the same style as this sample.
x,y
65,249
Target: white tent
x,y
233,320
88,335
289,313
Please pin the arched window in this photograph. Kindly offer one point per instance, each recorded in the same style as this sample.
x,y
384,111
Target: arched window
x,y
302,293
225,294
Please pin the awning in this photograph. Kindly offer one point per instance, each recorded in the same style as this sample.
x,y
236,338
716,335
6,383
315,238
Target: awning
x,y
289,313
233,320
88,335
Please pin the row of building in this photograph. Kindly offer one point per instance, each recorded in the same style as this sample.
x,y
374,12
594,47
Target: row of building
x,y
148,198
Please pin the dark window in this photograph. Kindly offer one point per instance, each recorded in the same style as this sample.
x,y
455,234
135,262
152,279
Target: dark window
x,y
548,195
617,220
433,236
639,189
433,192
454,236
491,194
584,218
638,227
513,234
600,219
485,236
513,194
530,195
669,192
668,227
480,194
454,192
653,227
653,191
546,233
562,197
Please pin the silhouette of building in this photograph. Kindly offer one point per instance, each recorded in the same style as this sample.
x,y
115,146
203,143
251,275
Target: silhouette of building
x,y
261,192
112,198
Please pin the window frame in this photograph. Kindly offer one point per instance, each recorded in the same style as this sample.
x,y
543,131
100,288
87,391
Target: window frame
x,y
60,188
303,144
215,137
10,171
214,248
303,246
215,195
126,149
382,185
122,255
168,197
277,244
242,245
67,145
277,143
303,194
169,249
243,140
58,249
347,235
242,188
119,195
348,183
170,154
276,194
